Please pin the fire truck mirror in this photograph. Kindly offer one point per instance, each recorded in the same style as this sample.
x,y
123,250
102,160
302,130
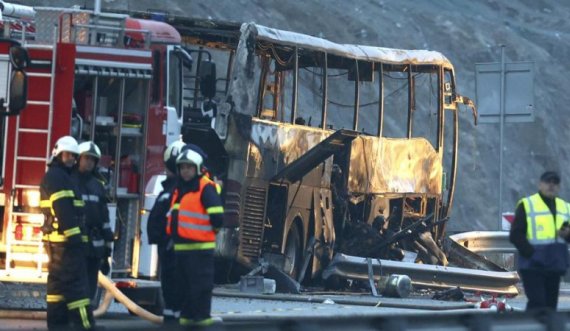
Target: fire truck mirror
x,y
19,57
18,92
207,73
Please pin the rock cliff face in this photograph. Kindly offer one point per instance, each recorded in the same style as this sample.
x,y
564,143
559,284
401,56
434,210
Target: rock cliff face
x,y
467,32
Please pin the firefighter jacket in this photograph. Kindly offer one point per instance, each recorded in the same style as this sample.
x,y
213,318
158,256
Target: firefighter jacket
x,y
97,223
208,175
195,215
156,226
61,205
544,217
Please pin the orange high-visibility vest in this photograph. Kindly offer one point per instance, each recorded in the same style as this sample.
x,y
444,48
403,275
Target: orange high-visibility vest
x,y
193,219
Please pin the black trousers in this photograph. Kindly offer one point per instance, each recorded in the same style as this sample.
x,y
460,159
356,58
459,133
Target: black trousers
x,y
93,266
196,269
170,281
541,288
67,288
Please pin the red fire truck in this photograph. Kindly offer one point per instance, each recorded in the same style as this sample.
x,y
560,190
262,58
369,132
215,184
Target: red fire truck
x,y
96,76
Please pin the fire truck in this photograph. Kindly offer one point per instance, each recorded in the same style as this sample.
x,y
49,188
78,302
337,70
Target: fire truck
x,y
98,76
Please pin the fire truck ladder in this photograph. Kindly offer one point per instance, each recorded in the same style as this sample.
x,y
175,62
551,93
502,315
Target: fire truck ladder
x,y
42,133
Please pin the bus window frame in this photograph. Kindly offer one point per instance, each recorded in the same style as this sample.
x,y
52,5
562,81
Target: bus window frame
x,y
267,58
411,100
381,99
412,104
356,97
325,78
294,97
452,107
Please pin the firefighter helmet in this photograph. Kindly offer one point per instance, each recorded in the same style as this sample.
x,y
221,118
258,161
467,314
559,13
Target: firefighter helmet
x,y
171,153
191,157
196,149
89,148
65,144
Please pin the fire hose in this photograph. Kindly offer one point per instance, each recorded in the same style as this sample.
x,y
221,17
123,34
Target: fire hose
x,y
111,292
114,292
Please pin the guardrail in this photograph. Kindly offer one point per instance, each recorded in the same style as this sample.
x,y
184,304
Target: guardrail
x,y
352,267
485,241
473,272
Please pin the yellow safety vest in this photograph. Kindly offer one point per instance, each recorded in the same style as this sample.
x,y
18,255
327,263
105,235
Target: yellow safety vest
x,y
541,226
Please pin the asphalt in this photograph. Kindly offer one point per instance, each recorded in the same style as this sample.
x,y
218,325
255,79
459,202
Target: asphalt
x,y
237,310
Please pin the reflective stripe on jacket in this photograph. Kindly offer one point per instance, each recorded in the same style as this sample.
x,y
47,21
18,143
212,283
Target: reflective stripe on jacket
x,y
47,207
61,205
550,251
97,222
542,228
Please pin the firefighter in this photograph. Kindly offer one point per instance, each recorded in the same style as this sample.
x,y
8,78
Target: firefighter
x,y
540,233
67,287
195,215
97,223
156,229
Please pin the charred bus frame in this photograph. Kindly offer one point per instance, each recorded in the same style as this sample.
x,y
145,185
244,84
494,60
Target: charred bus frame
x,y
284,181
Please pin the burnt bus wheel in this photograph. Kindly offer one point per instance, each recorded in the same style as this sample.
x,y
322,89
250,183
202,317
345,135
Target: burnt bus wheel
x,y
293,252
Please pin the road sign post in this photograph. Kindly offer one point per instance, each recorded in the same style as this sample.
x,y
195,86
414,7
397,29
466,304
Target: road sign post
x,y
505,94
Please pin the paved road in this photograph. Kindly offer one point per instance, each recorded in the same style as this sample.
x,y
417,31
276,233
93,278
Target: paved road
x,y
237,310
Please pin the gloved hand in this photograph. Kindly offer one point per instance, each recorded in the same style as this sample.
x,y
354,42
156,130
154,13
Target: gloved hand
x,y
105,267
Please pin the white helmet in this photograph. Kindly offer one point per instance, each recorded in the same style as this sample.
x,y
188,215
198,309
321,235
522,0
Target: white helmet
x,y
65,144
191,157
171,153
89,148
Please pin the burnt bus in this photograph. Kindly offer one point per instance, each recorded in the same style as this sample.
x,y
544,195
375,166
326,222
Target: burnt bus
x,y
312,137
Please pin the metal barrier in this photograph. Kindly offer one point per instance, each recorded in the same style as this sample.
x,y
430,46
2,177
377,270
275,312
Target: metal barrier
x,y
485,241
426,275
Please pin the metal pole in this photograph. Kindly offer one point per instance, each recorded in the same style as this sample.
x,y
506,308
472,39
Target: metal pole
x,y
95,105
410,101
197,79
295,85
381,99
502,124
116,175
97,7
356,98
325,92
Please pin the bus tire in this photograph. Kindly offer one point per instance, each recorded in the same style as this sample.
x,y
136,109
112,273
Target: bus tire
x,y
293,252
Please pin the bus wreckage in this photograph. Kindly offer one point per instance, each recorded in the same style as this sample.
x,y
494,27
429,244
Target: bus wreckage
x,y
331,154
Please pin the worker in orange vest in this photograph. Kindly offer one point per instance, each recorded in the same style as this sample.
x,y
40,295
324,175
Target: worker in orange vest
x,y
196,214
